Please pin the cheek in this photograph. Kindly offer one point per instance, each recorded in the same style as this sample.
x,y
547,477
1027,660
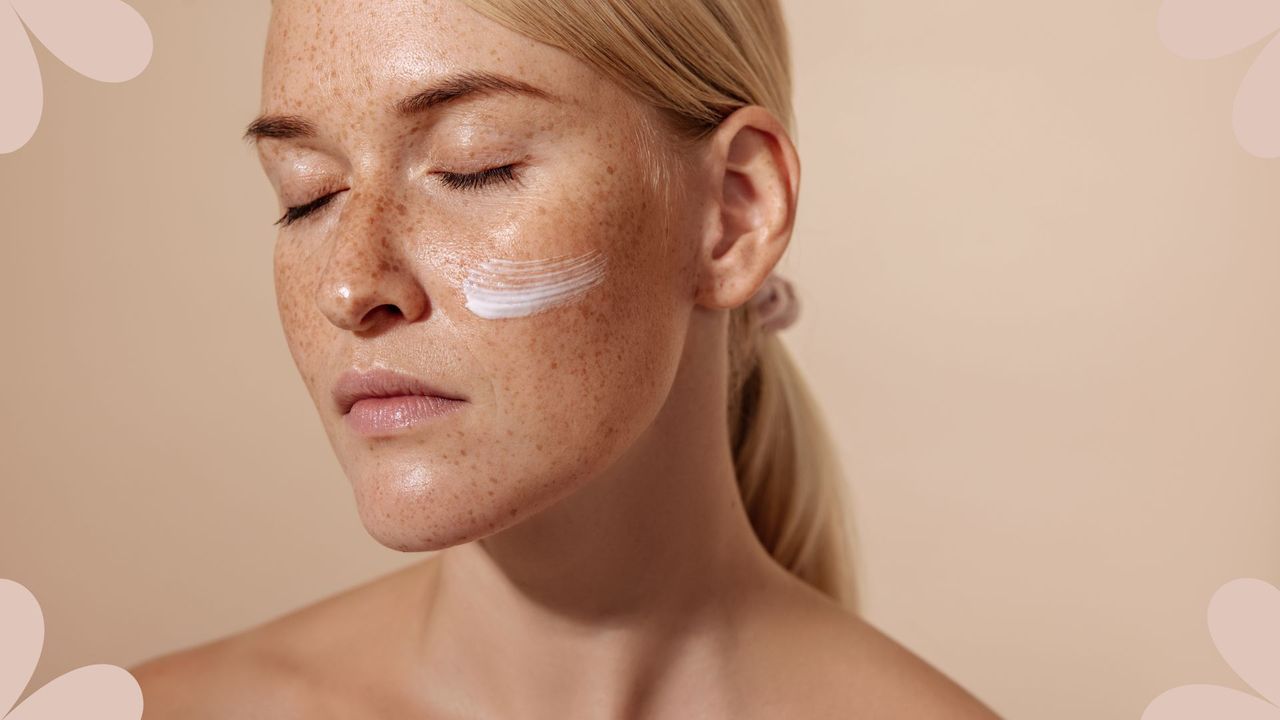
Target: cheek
x,y
299,320
576,382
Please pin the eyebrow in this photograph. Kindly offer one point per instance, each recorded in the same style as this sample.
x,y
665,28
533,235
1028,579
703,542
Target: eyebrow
x,y
449,89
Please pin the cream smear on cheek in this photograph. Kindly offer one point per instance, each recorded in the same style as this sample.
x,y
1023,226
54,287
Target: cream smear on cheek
x,y
515,288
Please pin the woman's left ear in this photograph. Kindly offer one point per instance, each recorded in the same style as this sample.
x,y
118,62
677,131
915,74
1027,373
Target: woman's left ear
x,y
755,177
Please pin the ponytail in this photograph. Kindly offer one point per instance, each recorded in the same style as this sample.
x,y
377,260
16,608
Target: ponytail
x,y
787,470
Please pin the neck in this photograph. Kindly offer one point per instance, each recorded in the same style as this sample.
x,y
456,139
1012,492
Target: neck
x,y
617,589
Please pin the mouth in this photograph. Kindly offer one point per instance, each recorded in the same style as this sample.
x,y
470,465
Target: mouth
x,y
373,417
354,386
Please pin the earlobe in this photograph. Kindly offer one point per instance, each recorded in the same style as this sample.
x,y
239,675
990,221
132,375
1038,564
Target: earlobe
x,y
755,182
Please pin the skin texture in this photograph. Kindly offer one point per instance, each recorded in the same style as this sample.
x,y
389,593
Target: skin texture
x,y
597,561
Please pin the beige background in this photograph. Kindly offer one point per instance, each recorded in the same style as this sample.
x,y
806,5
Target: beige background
x,y
1040,306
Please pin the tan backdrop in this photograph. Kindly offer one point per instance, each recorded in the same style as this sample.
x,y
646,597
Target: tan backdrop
x,y
1040,306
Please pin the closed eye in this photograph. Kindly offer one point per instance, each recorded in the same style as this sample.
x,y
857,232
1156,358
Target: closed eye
x,y
472,181
457,181
300,211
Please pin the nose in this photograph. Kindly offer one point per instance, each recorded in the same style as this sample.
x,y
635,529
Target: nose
x,y
368,280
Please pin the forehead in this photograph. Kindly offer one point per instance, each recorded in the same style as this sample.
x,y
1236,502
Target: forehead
x,y
341,56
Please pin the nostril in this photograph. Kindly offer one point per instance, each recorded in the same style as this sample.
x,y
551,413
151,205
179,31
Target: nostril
x,y
379,317
391,309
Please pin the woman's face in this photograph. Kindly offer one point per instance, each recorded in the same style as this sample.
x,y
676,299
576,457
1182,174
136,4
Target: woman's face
x,y
553,298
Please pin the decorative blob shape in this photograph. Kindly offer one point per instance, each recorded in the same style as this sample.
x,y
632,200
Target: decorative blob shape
x,y
1206,29
1203,29
100,692
20,88
1244,621
106,40
1256,113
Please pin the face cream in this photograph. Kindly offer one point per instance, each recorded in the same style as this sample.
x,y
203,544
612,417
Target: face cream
x,y
515,288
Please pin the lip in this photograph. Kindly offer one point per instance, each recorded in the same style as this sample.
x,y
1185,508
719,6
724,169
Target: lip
x,y
353,386
382,416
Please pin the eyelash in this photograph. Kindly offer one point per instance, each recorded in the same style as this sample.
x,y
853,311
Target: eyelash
x,y
457,181
470,181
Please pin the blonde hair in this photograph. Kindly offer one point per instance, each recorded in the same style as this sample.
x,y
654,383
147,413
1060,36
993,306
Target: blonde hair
x,y
696,61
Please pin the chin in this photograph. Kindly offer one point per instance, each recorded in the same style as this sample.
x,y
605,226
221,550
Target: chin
x,y
410,539
419,510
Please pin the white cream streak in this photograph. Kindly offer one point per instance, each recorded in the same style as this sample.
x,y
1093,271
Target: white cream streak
x,y
514,288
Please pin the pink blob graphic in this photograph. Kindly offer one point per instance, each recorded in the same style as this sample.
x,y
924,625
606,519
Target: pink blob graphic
x,y
19,83
1205,29
1209,702
1244,621
1256,116
100,692
106,40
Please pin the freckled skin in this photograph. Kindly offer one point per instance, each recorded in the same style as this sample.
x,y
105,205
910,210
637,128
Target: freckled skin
x,y
595,559
554,397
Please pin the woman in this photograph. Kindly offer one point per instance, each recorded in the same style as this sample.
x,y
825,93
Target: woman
x,y
524,267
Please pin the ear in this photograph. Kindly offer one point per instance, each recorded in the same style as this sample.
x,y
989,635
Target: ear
x,y
755,181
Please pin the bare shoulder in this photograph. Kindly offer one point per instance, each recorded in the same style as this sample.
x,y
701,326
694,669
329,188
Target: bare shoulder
x,y
216,680
902,683
844,667
290,666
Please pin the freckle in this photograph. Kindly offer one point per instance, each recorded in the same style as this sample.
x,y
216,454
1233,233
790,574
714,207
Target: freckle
x,y
513,512
539,446
611,169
